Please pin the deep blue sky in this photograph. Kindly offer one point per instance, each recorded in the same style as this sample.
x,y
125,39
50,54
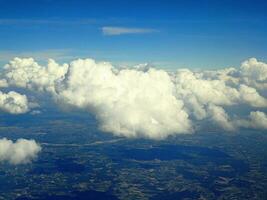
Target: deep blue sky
x,y
196,34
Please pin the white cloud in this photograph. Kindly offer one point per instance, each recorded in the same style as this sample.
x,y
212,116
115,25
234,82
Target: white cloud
x,y
143,101
205,91
252,97
251,73
131,103
13,102
110,30
256,120
27,73
220,117
20,152
35,112
254,70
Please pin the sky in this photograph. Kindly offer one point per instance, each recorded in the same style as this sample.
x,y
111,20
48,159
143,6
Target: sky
x,y
168,34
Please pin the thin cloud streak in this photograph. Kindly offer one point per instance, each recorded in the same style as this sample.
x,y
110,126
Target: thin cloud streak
x,y
111,30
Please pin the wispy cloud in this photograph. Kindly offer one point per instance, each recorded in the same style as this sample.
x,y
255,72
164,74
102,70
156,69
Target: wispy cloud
x,y
111,30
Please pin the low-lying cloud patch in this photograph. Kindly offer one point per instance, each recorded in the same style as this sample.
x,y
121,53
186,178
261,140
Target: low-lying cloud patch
x,y
20,152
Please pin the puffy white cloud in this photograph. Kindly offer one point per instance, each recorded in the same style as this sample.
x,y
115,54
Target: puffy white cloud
x,y
251,73
205,90
250,96
220,117
127,102
216,91
206,93
254,70
19,152
256,120
29,74
254,73
13,102
143,101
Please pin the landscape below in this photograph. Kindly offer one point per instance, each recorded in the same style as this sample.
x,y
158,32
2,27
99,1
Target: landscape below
x,y
78,161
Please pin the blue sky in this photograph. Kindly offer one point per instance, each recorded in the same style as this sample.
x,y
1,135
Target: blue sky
x,y
169,34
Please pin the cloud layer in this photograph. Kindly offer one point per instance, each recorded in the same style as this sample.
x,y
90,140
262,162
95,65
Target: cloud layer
x,y
147,102
20,152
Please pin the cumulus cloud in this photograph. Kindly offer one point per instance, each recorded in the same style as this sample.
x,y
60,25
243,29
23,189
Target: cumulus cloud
x,y
20,152
144,101
252,73
220,117
110,30
29,74
128,102
256,120
254,70
250,96
13,102
198,92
